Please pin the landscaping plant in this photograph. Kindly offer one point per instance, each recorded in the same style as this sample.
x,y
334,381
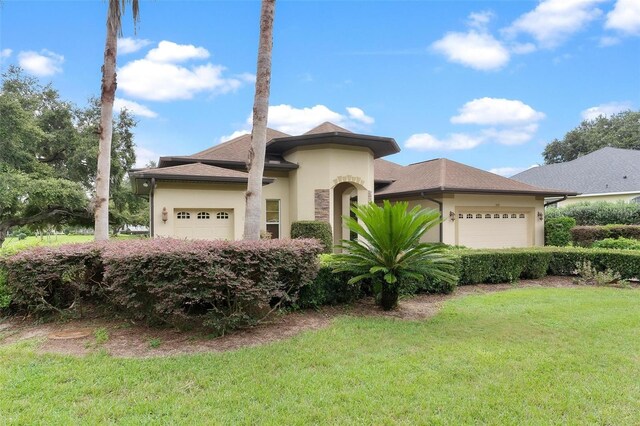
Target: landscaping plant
x,y
388,251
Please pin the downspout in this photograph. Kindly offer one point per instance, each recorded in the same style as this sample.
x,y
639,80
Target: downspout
x,y
151,223
439,203
550,203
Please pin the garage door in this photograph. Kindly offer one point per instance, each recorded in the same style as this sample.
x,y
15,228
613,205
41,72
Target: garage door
x,y
204,224
485,229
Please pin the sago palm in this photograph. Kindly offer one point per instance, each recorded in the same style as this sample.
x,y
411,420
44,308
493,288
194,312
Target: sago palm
x,y
388,250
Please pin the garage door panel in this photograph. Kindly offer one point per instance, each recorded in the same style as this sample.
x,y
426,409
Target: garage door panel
x,y
204,224
491,229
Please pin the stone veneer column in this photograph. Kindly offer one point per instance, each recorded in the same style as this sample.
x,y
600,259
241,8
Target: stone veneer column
x,y
321,200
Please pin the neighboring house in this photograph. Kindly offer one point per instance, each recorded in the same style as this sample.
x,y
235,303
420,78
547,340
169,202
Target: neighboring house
x,y
318,175
608,174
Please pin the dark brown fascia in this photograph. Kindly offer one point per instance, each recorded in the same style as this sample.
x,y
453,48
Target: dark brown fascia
x,y
235,165
471,191
289,142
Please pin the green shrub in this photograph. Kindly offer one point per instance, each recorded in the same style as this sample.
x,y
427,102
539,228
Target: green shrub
x,y
585,236
599,213
330,288
618,243
321,231
557,231
5,295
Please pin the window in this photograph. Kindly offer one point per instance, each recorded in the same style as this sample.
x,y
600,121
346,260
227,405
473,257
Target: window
x,y
487,216
460,216
469,216
204,215
514,216
183,215
479,216
496,216
273,218
505,216
521,215
222,215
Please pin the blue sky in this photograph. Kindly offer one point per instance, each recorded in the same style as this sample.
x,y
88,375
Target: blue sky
x,y
480,82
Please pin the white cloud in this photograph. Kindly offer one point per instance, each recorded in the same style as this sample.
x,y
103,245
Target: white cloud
x,y
157,78
478,50
130,45
133,107
511,136
168,51
510,171
480,20
144,156
625,17
496,111
553,21
455,141
357,114
42,64
522,48
296,121
5,53
607,109
607,41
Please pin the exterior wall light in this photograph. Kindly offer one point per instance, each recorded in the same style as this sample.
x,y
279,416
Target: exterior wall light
x,y
165,215
540,216
452,216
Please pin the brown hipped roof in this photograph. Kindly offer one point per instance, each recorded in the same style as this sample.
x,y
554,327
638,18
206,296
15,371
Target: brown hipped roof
x,y
442,175
235,149
194,171
327,127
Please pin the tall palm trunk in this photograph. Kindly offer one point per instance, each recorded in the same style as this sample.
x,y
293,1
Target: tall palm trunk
x,y
255,161
107,96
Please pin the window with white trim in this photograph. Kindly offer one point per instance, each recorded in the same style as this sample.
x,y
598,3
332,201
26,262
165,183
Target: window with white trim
x,y
273,218
222,215
183,215
203,215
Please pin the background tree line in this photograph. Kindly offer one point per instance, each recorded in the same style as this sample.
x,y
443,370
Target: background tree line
x,y
621,130
48,159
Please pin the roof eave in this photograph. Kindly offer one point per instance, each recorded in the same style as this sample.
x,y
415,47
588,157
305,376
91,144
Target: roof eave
x,y
328,138
439,190
176,161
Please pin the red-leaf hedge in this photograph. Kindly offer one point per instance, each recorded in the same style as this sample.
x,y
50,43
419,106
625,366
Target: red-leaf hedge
x,y
218,284
215,283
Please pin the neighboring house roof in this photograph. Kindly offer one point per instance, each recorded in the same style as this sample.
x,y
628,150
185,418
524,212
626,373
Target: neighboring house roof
x,y
386,171
442,175
607,170
189,172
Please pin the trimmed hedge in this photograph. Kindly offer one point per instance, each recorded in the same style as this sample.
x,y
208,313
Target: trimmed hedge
x,y
599,213
509,265
557,231
218,284
48,279
319,230
585,236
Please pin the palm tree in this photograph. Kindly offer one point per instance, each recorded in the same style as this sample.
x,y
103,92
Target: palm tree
x,y
255,161
107,96
388,250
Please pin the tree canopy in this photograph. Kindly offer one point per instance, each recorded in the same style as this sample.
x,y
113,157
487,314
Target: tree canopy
x,y
621,130
48,158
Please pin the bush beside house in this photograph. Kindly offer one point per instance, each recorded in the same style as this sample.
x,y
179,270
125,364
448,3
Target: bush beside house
x,y
585,236
319,230
599,213
557,231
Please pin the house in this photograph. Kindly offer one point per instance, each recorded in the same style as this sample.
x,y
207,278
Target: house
x,y
608,174
318,175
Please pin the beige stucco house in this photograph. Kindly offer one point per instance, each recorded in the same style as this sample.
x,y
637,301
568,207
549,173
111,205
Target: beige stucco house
x,y
318,175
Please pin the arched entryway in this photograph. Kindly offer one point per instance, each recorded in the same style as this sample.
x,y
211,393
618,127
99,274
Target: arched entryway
x,y
345,194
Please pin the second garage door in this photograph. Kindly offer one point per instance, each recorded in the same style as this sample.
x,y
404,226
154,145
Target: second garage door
x,y
486,229
204,224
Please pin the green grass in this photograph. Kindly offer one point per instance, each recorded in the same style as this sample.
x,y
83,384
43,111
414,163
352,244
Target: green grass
x,y
13,244
524,356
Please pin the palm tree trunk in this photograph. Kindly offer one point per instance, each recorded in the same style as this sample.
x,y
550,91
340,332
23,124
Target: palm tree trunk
x,y
107,96
255,161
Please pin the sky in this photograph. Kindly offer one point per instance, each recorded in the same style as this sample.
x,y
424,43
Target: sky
x,y
485,83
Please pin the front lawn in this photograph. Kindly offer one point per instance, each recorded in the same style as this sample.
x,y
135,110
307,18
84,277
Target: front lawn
x,y
524,356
